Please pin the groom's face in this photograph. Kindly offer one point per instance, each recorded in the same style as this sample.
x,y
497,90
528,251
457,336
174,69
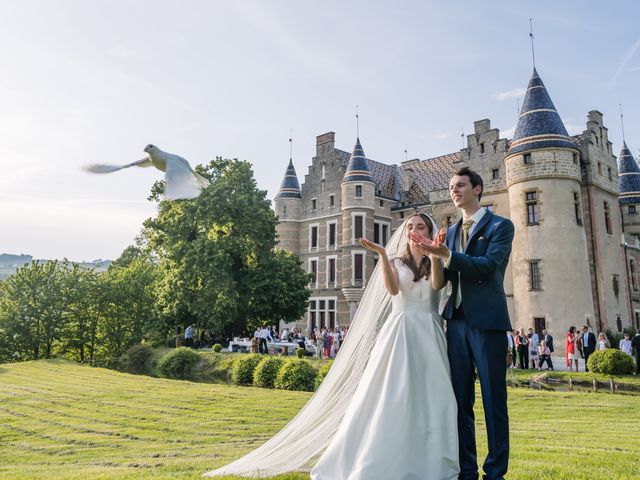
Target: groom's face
x,y
461,191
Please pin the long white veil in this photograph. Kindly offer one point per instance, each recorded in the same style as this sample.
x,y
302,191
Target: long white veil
x,y
298,446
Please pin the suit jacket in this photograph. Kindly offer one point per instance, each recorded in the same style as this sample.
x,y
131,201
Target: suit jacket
x,y
481,272
548,341
591,343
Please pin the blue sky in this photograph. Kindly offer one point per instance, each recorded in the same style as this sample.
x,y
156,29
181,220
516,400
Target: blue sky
x,y
94,82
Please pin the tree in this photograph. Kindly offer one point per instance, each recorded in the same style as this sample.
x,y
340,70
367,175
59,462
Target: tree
x,y
219,265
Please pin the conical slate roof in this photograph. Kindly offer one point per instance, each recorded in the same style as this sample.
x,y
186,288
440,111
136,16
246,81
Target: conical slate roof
x,y
628,177
539,125
290,187
358,168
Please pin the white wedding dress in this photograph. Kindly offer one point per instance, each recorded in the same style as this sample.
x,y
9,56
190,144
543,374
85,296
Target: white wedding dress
x,y
401,423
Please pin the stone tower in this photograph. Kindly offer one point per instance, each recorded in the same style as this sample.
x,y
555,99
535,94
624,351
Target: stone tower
x,y
629,181
288,205
358,195
549,253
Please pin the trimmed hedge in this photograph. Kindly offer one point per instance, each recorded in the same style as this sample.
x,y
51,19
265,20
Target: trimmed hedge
x,y
178,363
611,362
217,348
138,358
266,372
322,372
244,367
296,375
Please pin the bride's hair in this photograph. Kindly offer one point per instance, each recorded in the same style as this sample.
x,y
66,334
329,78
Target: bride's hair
x,y
424,268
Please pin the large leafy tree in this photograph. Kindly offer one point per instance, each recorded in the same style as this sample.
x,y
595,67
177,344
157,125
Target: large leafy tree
x,y
220,268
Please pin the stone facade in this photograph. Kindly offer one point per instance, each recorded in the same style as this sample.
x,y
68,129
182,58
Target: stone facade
x,y
576,251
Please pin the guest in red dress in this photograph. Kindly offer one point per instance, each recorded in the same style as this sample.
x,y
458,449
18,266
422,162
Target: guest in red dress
x,y
572,351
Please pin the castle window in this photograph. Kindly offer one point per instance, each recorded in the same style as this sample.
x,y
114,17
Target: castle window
x,y
401,214
531,201
323,172
331,234
313,237
615,280
482,147
313,270
332,200
634,274
527,159
382,203
358,269
632,209
539,324
385,234
380,233
358,191
609,173
314,204
607,218
331,272
575,158
495,173
576,208
619,323
358,227
534,275
312,314
599,168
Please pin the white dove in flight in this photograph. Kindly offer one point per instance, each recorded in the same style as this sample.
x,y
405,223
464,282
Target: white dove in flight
x,y
180,181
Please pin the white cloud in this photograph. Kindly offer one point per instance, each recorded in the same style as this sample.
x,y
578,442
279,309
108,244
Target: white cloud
x,y
513,93
628,55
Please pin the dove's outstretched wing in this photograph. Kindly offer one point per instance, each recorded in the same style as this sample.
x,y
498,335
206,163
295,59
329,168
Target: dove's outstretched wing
x,y
101,168
181,182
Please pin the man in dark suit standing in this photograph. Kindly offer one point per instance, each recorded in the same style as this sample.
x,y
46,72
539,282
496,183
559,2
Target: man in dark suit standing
x,y
588,345
635,344
475,257
548,340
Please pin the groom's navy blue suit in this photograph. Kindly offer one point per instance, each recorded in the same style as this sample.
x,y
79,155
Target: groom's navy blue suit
x,y
476,338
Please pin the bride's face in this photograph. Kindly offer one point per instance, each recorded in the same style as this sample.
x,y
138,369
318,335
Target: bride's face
x,y
418,225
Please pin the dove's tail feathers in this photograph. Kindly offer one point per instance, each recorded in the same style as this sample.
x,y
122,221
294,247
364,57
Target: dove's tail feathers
x,y
97,168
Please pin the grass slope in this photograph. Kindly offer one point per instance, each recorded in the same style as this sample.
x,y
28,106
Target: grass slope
x,y
66,421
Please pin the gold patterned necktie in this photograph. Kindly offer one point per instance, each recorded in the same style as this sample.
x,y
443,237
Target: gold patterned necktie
x,y
466,226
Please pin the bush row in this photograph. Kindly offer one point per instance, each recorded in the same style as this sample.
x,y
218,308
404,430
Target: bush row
x,y
274,372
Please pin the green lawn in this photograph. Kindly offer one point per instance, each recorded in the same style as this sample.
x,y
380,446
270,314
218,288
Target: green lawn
x,y
66,421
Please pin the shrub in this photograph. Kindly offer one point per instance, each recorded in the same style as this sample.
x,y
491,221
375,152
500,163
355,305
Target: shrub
x,y
266,372
244,367
300,352
138,358
611,362
296,375
217,348
322,372
179,362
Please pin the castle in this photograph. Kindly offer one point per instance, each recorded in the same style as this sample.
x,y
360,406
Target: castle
x,y
577,228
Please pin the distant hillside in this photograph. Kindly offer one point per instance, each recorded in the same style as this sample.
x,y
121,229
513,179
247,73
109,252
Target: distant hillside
x,y
9,263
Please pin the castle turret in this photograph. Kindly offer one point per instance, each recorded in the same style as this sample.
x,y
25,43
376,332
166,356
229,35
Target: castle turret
x,y
288,205
550,248
358,196
629,197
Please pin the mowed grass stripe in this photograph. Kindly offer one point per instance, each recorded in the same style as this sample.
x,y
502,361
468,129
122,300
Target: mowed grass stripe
x,y
63,420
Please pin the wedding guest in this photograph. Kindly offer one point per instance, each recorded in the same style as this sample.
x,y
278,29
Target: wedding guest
x,y
511,350
625,345
603,341
522,344
189,333
635,343
588,344
548,340
572,350
544,353
534,342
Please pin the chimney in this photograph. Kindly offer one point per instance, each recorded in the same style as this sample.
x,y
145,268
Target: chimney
x,y
325,142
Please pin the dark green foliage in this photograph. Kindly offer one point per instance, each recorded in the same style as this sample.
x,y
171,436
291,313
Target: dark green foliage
x,y
322,372
300,352
178,363
611,362
139,358
217,348
244,367
296,375
266,372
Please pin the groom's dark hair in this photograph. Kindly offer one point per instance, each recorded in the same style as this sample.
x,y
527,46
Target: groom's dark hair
x,y
474,178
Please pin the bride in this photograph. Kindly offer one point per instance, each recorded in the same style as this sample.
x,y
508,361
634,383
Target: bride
x,y
391,380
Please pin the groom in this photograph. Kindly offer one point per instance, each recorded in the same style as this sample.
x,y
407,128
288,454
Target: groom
x,y
475,257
